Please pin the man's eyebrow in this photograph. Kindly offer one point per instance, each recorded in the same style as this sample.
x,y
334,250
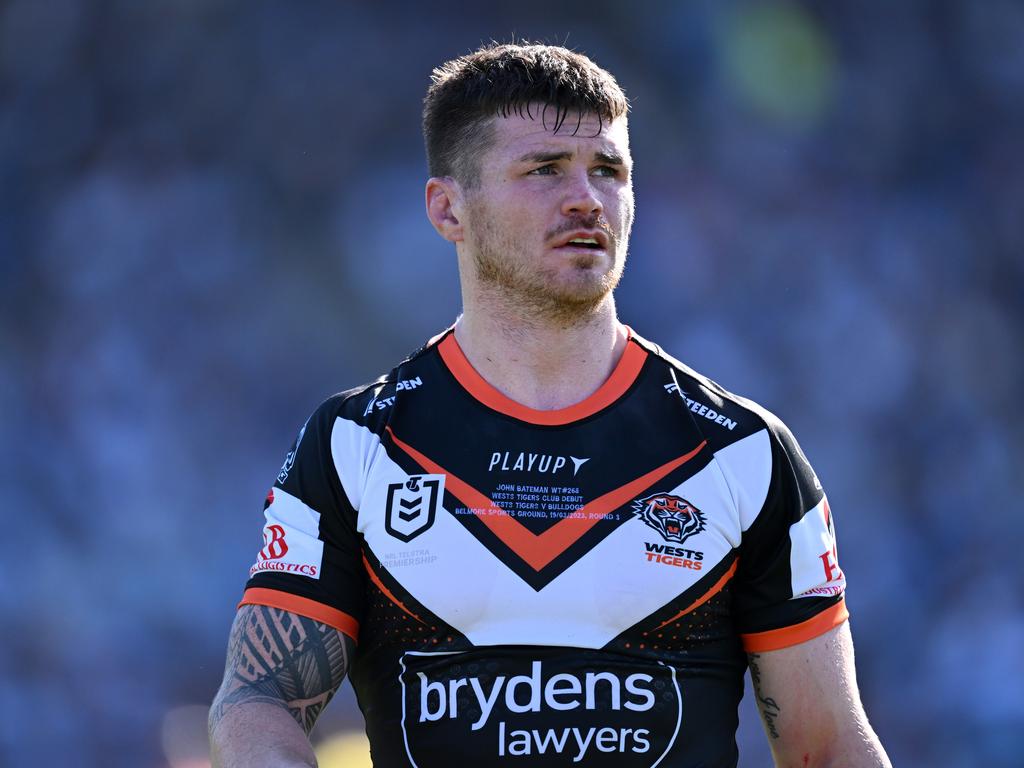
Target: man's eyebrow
x,y
610,159
550,157
545,157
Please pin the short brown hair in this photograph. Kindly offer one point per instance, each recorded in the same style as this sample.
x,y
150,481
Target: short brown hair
x,y
506,79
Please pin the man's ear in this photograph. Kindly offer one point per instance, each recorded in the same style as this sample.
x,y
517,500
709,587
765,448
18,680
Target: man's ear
x,y
444,207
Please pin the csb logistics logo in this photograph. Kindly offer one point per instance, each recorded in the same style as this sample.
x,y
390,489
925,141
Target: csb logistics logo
x,y
291,543
551,712
275,547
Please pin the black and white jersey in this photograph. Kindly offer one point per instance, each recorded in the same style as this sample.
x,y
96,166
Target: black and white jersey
x,y
550,587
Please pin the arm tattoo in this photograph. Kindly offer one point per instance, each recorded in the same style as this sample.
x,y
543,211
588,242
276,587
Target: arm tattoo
x,y
766,704
281,658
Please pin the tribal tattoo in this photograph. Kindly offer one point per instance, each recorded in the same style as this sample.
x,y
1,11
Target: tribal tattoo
x,y
281,658
766,704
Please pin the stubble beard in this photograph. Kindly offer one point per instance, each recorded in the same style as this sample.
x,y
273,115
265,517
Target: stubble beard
x,y
539,292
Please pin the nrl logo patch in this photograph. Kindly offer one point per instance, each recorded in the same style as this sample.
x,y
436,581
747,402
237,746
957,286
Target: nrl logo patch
x,y
673,517
412,506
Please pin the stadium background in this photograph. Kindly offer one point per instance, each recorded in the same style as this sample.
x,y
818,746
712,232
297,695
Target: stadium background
x,y
211,218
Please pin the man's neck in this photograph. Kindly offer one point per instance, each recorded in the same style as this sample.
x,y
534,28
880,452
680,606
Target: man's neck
x,y
542,366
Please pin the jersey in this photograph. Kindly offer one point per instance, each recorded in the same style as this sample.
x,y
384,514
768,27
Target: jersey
x,y
550,587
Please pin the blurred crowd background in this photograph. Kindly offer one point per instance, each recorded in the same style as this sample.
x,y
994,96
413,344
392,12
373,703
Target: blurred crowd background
x,y
211,218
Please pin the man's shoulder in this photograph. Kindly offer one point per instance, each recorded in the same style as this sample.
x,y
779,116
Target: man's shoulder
x,y
709,401
727,419
704,396
368,402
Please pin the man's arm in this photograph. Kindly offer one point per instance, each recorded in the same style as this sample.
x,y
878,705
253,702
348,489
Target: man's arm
x,y
281,671
810,705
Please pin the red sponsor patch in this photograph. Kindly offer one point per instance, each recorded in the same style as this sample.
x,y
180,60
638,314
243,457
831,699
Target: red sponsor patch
x,y
275,546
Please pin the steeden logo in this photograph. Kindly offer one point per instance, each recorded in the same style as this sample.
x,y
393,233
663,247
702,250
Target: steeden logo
x,y
385,402
699,408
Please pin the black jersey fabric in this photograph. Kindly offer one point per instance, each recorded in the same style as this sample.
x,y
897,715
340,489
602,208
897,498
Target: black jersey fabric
x,y
550,587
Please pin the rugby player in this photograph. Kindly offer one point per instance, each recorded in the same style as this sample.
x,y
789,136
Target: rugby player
x,y
539,539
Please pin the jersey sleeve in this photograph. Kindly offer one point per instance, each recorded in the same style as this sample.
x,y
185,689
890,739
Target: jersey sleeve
x,y
311,561
790,587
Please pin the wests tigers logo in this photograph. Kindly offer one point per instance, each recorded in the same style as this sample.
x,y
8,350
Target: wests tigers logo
x,y
673,517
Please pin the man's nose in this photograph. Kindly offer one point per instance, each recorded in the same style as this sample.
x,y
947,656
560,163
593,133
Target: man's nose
x,y
581,198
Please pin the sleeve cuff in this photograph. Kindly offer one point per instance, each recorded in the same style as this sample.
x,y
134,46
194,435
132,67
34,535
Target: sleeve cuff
x,y
775,639
303,606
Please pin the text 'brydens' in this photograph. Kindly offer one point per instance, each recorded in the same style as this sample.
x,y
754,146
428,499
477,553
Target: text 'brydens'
x,y
506,697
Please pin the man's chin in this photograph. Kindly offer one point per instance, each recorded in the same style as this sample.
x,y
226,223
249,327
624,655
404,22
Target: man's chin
x,y
590,282
591,290
569,298
562,294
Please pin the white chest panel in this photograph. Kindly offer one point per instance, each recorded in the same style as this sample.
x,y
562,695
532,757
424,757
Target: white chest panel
x,y
608,589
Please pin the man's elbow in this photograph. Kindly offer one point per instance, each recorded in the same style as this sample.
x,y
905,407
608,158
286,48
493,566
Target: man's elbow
x,y
848,744
854,747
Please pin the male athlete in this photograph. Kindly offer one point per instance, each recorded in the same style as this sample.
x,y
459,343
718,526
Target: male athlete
x,y
540,540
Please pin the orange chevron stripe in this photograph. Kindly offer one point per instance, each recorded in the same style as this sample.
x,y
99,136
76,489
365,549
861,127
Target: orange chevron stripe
x,y
538,550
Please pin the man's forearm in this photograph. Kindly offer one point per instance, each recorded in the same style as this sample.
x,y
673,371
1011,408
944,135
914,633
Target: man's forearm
x,y
255,734
811,707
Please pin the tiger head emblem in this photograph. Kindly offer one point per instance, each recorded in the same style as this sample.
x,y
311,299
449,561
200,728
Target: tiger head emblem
x,y
673,517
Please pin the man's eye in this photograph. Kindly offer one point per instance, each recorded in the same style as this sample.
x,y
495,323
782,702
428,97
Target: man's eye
x,y
544,170
605,170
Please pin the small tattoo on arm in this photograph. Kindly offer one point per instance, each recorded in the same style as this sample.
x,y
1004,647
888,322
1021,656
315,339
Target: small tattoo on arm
x,y
281,658
766,704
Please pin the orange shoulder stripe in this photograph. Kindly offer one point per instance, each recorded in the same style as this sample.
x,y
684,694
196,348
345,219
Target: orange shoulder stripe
x,y
774,639
303,606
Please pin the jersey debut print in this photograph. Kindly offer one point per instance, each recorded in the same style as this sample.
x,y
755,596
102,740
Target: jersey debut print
x,y
550,587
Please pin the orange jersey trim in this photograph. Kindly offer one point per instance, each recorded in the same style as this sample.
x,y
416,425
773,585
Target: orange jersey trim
x,y
303,606
621,379
775,639
540,549
387,592
703,598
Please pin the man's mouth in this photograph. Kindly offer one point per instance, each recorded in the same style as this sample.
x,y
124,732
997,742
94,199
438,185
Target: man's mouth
x,y
593,240
585,243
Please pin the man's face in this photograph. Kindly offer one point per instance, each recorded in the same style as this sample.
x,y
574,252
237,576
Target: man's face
x,y
548,223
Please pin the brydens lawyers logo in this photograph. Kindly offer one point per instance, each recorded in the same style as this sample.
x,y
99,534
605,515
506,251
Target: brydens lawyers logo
x,y
673,517
553,711
412,506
